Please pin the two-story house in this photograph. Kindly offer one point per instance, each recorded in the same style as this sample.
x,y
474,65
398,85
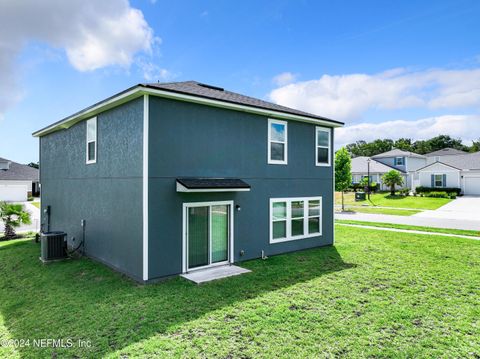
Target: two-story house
x,y
164,179
406,163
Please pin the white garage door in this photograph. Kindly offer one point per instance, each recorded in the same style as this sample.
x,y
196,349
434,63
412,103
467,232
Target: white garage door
x,y
13,192
472,186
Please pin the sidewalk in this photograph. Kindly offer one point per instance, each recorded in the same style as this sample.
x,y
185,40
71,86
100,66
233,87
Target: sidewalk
x,y
411,220
408,231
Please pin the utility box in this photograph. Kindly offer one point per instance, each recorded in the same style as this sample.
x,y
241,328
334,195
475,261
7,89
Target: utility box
x,y
360,196
54,246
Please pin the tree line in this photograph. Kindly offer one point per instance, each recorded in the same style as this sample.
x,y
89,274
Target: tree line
x,y
364,148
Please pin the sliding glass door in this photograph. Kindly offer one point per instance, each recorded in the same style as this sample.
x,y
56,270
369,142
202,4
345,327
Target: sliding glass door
x,y
208,234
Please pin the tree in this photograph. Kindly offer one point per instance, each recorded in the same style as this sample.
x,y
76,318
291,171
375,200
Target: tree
x,y
343,172
391,179
34,165
12,216
475,146
404,144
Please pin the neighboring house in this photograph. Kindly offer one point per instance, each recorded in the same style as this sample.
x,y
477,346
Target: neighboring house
x,y
360,170
17,181
162,179
407,162
440,169
459,171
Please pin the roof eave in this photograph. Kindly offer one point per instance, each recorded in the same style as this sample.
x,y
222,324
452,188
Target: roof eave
x,y
140,90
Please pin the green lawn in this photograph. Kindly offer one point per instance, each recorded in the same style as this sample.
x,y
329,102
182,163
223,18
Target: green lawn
x,y
462,232
376,210
385,200
375,294
36,204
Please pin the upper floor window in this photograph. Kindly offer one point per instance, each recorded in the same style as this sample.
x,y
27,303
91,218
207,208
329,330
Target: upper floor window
x,y
92,140
323,146
399,161
277,142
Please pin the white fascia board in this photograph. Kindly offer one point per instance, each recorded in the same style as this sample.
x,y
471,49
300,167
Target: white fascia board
x,y
140,91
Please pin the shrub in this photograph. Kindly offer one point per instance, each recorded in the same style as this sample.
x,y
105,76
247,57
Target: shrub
x,y
404,191
358,186
30,198
437,194
444,189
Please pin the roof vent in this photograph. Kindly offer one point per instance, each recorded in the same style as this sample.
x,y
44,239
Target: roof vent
x,y
211,87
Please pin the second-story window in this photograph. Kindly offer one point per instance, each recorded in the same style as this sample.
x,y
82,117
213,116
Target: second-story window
x,y
92,140
277,142
322,146
399,161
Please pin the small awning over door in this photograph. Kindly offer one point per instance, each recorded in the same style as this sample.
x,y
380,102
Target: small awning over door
x,y
211,185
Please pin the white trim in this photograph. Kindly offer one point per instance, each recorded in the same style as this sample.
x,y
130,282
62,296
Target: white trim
x,y
182,188
138,91
285,143
317,146
288,218
185,207
145,185
93,119
333,200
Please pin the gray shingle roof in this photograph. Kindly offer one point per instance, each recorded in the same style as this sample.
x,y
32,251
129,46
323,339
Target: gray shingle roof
x,y
360,165
446,152
398,153
212,183
469,161
18,172
217,93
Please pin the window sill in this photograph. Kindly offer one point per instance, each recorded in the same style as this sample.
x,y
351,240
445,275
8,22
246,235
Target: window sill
x,y
277,163
322,164
296,238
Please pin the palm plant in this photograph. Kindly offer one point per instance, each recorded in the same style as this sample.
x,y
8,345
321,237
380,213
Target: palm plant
x,y
391,179
13,215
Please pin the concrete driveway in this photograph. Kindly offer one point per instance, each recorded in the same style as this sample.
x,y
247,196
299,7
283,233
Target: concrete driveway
x,y
34,216
462,208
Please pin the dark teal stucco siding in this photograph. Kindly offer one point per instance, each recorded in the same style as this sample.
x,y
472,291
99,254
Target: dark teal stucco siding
x,y
107,194
189,140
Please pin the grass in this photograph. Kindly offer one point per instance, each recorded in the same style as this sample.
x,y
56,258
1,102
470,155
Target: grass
x,y
374,294
375,210
462,232
36,204
386,200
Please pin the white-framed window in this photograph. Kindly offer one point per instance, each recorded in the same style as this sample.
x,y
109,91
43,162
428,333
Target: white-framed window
x,y
399,161
438,180
323,146
295,218
91,150
277,142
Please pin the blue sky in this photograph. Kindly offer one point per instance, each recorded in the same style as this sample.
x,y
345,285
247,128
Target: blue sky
x,y
393,69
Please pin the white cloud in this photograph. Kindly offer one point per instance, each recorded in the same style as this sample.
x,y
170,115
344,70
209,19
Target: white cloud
x,y
93,34
152,72
466,127
284,78
347,97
